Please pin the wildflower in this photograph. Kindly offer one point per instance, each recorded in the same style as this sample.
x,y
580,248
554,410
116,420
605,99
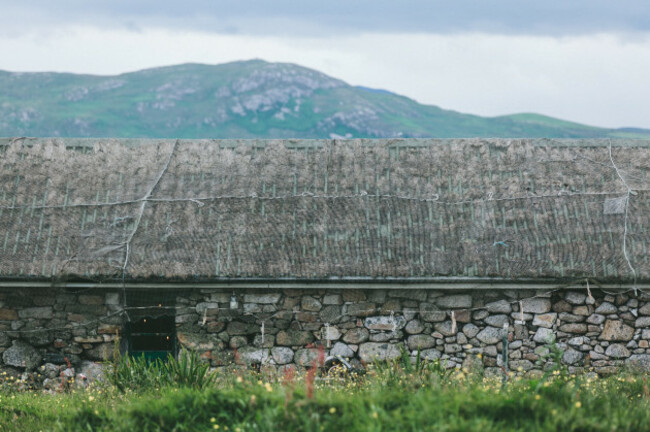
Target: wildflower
x,y
537,397
253,398
213,420
239,379
215,427
578,404
375,415
332,410
268,387
91,398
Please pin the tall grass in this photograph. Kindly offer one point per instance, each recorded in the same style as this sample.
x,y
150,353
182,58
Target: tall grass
x,y
140,374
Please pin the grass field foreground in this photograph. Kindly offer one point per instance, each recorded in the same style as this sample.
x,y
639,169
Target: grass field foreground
x,y
388,398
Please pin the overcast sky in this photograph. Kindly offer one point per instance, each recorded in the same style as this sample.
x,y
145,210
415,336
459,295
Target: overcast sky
x,y
580,60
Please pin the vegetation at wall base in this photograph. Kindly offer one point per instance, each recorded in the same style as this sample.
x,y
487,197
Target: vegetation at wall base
x,y
420,397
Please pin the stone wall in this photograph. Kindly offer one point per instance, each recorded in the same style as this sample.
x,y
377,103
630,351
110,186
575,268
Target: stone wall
x,y
602,333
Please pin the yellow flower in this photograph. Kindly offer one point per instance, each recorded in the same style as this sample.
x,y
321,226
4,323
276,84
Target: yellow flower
x,y
91,398
213,420
215,427
578,404
332,410
268,387
375,415
240,379
537,397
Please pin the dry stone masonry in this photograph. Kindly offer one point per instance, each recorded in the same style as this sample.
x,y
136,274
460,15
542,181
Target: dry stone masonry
x,y
47,328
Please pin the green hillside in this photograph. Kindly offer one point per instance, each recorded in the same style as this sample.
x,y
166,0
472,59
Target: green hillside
x,y
250,99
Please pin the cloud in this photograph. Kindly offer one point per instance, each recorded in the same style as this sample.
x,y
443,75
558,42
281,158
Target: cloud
x,y
319,18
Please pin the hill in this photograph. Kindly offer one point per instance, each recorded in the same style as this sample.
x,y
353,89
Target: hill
x,y
248,99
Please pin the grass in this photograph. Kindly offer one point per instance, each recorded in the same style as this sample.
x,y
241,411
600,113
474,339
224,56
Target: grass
x,y
420,397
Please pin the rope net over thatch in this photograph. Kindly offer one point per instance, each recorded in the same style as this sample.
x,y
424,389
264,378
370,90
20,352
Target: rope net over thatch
x,y
208,210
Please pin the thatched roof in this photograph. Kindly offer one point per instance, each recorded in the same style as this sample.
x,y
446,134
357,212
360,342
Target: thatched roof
x,y
212,210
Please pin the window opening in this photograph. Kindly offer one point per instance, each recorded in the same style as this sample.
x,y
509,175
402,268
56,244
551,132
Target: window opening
x,y
152,329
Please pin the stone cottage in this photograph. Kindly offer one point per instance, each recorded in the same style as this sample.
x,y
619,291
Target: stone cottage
x,y
266,251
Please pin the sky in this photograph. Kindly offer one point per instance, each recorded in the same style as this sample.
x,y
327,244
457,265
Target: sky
x,y
581,60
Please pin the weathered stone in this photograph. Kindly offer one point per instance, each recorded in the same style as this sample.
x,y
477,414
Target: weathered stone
x,y
207,309
570,318
537,305
22,355
615,330
262,298
356,335
545,320
111,299
330,333
463,315
36,312
490,335
331,313
606,308
430,354
342,350
571,356
420,341
311,304
414,327
457,301
575,297
100,352
371,351
639,362
577,341
282,355
88,339
309,357
252,355
617,351
645,309
480,315
240,328
196,341
8,314
573,328
332,299
584,310
431,313
353,295
521,365
361,309
410,294
642,322
91,300
377,295
596,319
544,335
497,320
215,326
500,306
294,338
384,336
237,342
562,306
445,328
470,330
252,308
385,323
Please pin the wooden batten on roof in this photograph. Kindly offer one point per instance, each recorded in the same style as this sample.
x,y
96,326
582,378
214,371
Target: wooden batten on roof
x,y
370,212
